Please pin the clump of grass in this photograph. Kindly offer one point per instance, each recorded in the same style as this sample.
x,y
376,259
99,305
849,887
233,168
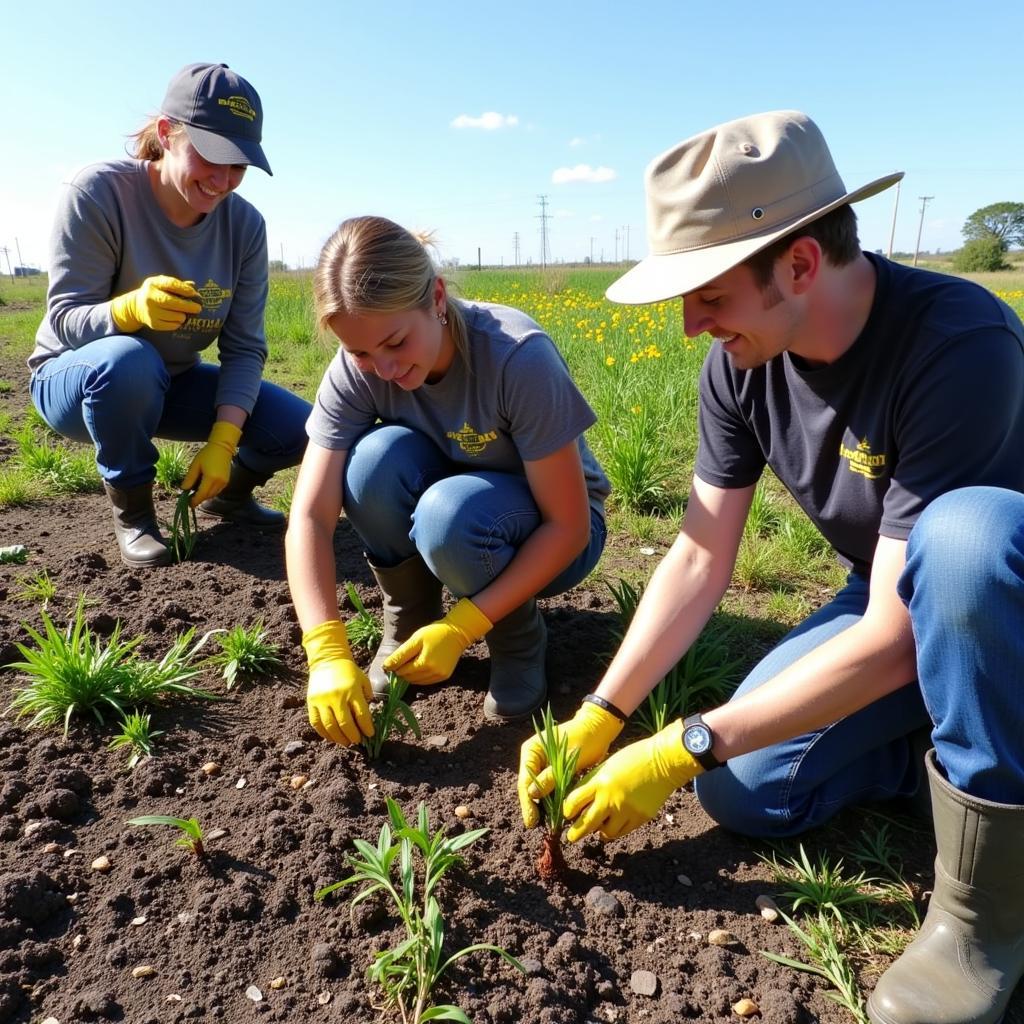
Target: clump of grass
x,y
191,832
172,463
57,466
551,863
36,588
636,462
184,528
73,672
137,735
17,487
409,972
245,653
390,717
363,629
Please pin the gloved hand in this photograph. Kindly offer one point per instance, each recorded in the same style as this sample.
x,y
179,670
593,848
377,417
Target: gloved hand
x,y
430,654
338,695
160,302
630,787
211,467
591,730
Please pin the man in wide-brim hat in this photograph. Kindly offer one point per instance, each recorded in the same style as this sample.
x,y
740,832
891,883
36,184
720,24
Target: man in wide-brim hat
x,y
890,403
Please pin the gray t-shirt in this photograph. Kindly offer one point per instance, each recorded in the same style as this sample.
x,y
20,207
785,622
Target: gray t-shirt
x,y
514,402
929,398
110,235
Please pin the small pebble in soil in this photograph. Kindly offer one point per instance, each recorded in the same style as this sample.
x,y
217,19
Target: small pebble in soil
x,y
436,740
216,833
101,864
298,781
143,971
684,879
278,983
721,937
745,1008
644,983
294,747
210,768
253,993
767,906
137,921
323,998
462,811
604,902
51,847
173,997
240,784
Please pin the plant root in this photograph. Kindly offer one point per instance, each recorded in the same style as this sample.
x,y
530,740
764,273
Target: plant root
x,y
551,866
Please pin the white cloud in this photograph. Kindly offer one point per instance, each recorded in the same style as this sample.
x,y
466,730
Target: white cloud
x,y
489,121
582,172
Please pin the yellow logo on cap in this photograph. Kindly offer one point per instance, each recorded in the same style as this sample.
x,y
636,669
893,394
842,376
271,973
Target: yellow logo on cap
x,y
862,460
471,441
239,106
212,294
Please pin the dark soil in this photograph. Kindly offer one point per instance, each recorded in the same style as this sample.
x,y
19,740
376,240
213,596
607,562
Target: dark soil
x,y
70,936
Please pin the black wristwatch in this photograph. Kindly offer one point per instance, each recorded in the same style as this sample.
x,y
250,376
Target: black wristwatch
x,y
698,740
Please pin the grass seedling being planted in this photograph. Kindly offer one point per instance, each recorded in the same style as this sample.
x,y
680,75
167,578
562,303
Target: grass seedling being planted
x,y
551,863
409,973
363,629
136,734
191,837
245,654
390,717
184,528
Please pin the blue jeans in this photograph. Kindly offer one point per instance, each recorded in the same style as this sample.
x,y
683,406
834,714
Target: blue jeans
x,y
964,587
116,392
403,496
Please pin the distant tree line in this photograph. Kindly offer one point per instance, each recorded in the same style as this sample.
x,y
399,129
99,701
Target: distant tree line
x,y
989,233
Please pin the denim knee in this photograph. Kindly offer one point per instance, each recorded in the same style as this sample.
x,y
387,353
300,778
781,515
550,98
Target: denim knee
x,y
132,375
741,799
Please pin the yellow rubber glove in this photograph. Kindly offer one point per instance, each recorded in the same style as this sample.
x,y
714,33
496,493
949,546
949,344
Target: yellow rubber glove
x,y
162,303
430,654
338,696
630,787
211,467
591,731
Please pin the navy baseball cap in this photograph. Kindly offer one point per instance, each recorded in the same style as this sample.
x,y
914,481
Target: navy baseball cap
x,y
221,113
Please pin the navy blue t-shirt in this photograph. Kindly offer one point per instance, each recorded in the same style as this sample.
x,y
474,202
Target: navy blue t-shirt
x,y
929,398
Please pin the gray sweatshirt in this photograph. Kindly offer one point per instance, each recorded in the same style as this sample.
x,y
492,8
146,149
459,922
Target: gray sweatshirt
x,y
110,235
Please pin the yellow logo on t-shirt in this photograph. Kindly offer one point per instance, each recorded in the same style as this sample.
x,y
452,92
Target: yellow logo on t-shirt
x,y
862,460
471,441
212,294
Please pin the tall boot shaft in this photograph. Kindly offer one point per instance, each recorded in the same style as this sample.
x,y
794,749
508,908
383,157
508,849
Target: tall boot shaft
x,y
411,599
517,645
964,963
237,505
135,525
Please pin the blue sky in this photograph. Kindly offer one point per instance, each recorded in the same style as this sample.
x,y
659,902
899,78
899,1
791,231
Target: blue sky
x,y
379,108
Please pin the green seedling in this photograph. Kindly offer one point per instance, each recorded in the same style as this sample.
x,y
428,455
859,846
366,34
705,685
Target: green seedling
x,y
37,588
390,717
363,629
245,654
137,735
13,554
192,834
821,886
408,973
562,764
172,463
72,671
184,528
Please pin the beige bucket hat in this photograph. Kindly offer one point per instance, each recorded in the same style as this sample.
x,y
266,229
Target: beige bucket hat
x,y
723,195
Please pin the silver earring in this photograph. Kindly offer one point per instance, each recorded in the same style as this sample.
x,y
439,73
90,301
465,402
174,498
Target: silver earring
x,y
443,319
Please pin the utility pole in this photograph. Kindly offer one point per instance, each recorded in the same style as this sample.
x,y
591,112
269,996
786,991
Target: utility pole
x,y
591,250
895,207
21,262
543,217
283,266
515,246
616,245
6,252
925,200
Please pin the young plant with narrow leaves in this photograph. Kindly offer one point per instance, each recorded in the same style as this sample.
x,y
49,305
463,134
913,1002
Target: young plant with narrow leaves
x,y
562,763
391,716
171,465
409,973
137,735
36,588
245,654
191,837
363,629
184,528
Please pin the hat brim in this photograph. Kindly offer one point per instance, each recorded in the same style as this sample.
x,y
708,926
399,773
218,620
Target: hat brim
x,y
223,149
664,276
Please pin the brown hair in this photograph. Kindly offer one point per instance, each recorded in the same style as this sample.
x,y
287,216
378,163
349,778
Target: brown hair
x,y
835,232
147,142
373,265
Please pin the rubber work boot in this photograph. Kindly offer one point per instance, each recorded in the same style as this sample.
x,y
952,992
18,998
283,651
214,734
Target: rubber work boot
x,y
517,644
135,526
235,503
412,598
964,963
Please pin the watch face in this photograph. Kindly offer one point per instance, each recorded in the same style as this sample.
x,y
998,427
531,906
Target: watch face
x,y
697,739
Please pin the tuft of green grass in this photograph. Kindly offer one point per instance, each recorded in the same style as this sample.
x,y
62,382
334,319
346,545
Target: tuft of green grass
x,y
137,735
36,588
363,629
245,653
184,528
53,463
172,464
17,487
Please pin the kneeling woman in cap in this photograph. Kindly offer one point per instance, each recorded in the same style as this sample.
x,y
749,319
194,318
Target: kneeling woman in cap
x,y
152,259
477,477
